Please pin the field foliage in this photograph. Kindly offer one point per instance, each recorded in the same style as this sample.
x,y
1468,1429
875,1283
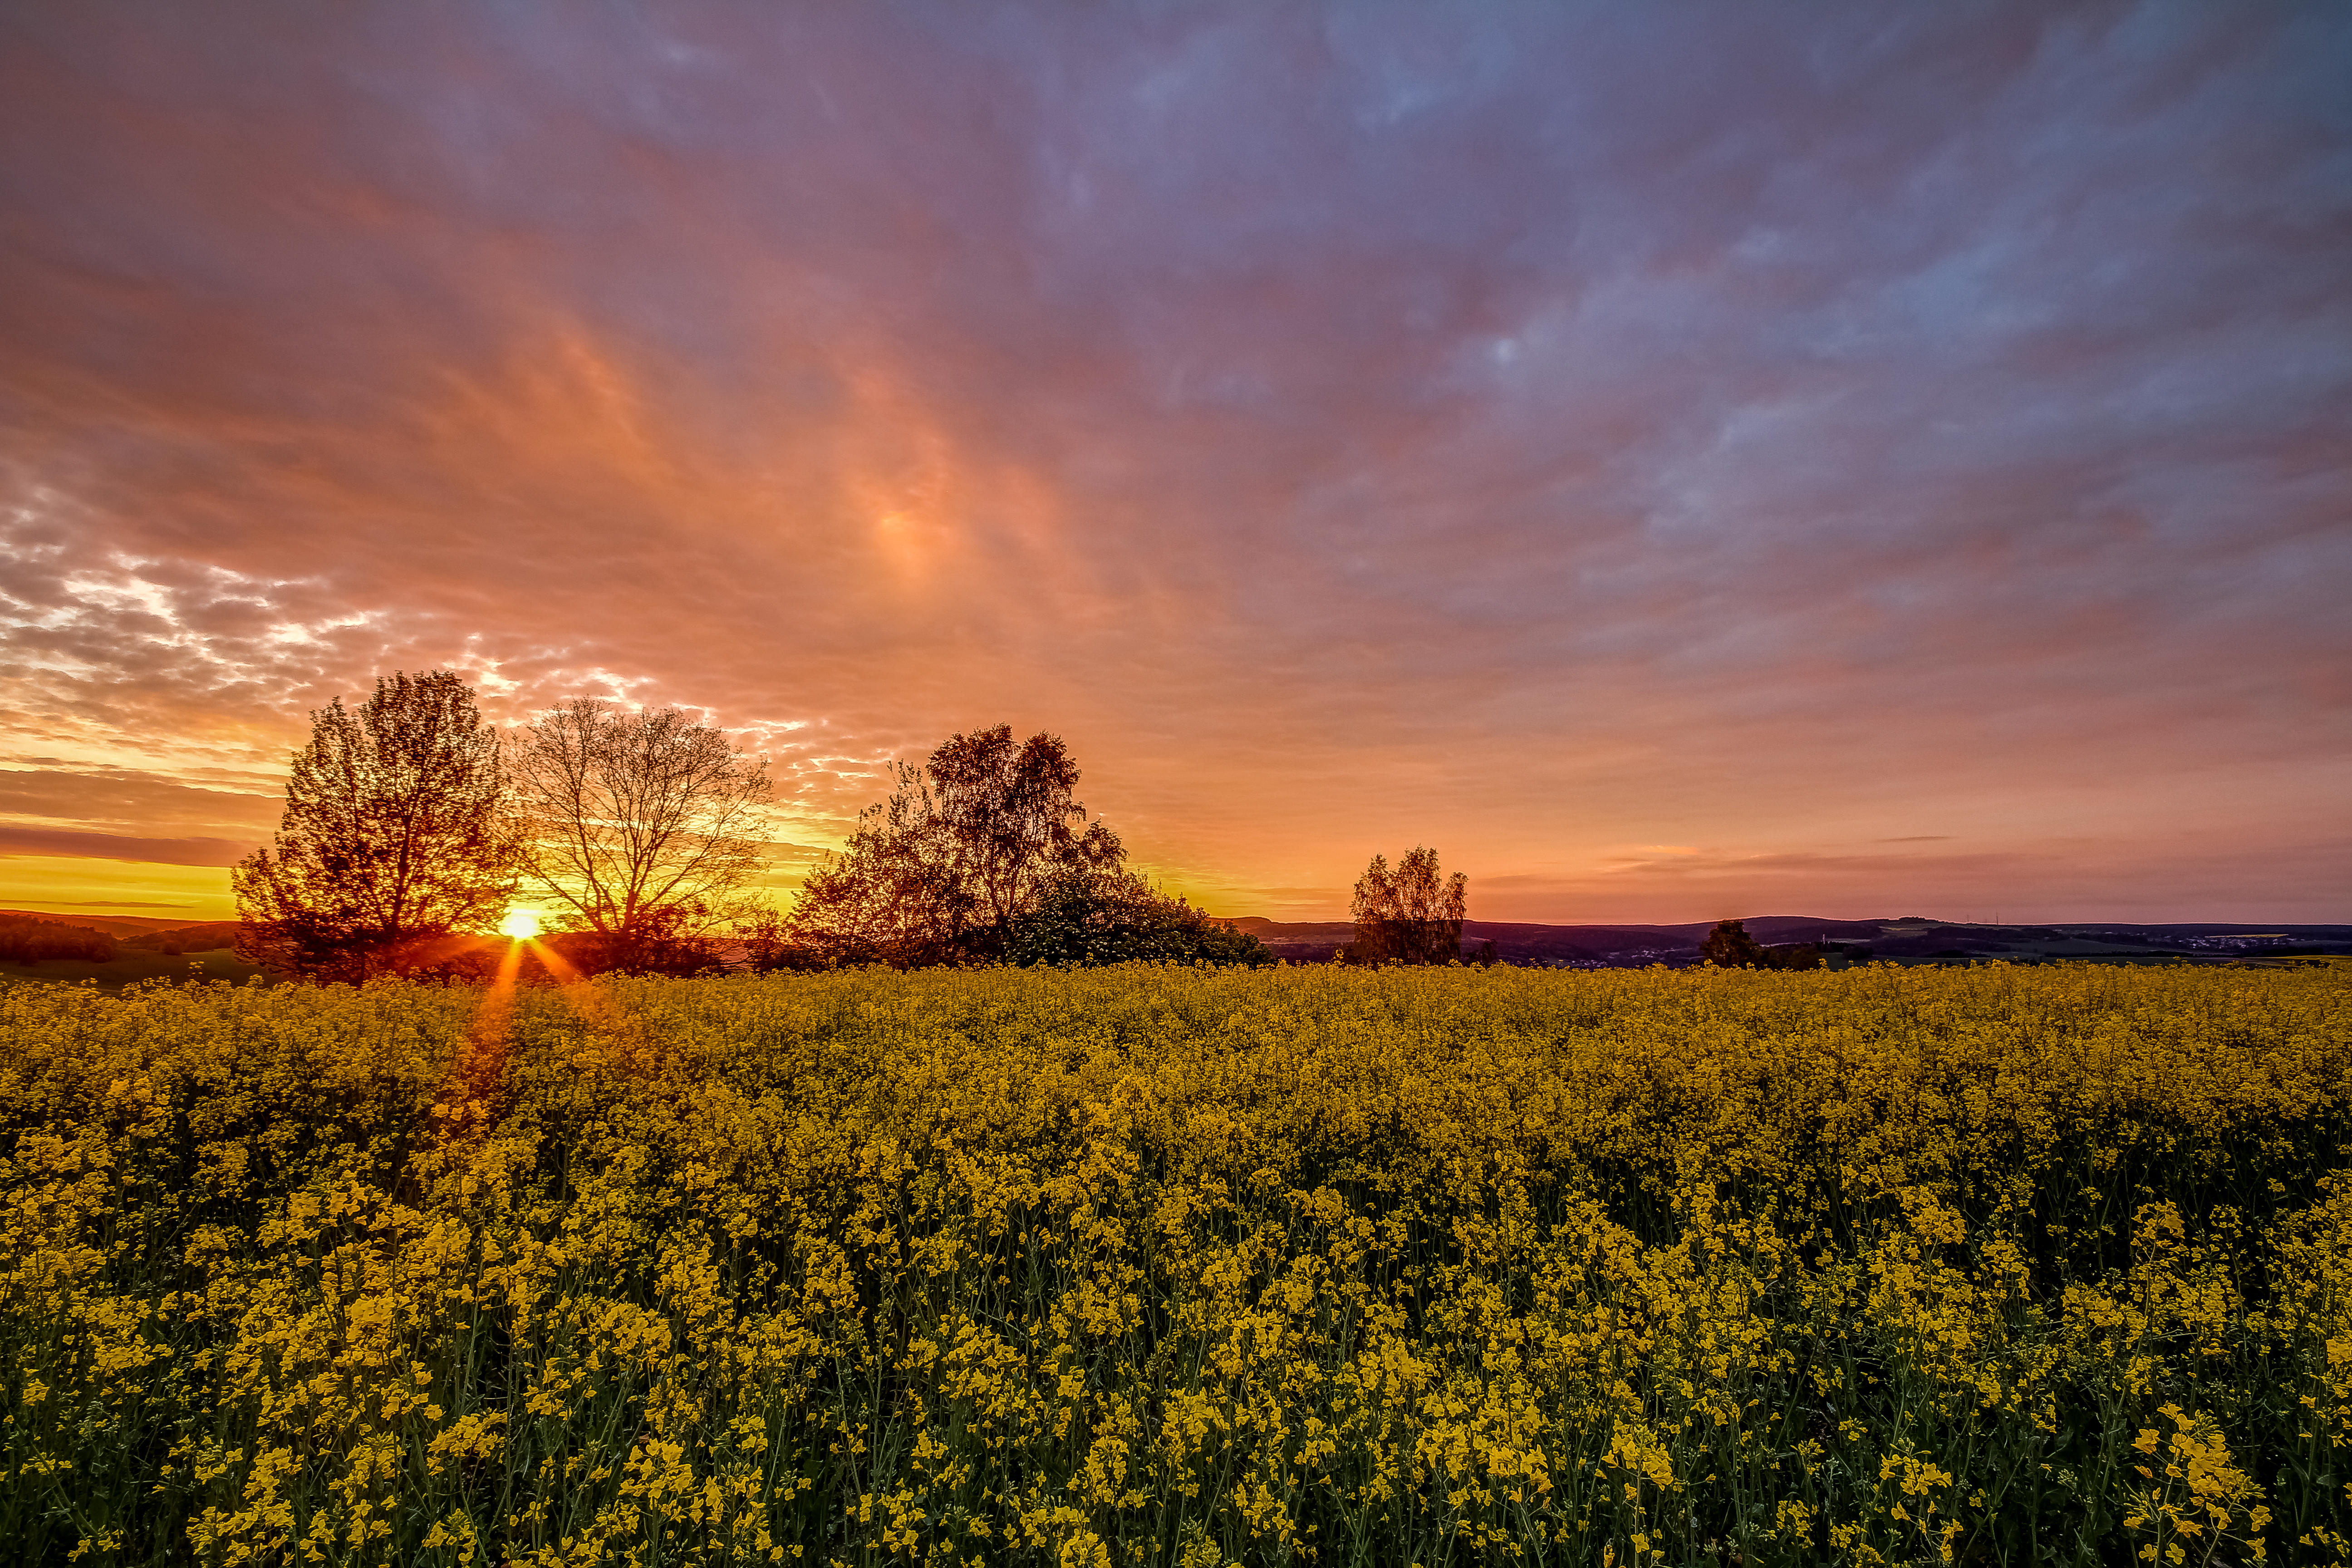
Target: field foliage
x,y
1183,1267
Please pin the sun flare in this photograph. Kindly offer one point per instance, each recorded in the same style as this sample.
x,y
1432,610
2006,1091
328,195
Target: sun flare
x,y
519,924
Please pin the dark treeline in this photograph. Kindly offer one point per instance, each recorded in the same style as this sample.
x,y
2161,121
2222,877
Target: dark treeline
x,y
412,827
26,939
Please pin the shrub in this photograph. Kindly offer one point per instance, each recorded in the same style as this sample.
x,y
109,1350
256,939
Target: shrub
x,y
1095,917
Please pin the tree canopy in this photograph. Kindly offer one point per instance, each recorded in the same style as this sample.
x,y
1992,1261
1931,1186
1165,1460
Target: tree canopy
x,y
1411,915
391,838
943,869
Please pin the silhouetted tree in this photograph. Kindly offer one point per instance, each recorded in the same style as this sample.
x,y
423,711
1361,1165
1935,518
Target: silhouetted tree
x,y
640,828
940,870
770,942
1112,916
1412,915
391,837
890,896
1730,946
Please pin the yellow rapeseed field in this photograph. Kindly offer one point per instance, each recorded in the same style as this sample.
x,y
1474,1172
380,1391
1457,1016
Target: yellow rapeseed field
x,y
1185,1267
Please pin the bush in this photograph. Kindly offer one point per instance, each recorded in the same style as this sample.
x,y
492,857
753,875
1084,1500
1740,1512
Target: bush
x,y
1094,917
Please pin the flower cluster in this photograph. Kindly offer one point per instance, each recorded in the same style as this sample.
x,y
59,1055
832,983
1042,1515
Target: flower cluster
x,y
1183,1267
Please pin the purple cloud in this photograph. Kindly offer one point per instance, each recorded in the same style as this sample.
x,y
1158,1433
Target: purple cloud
x,y
1537,431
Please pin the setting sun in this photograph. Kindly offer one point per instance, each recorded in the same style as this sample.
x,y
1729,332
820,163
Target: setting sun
x,y
519,924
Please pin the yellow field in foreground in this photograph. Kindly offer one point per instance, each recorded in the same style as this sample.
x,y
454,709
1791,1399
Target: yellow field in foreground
x,y
1189,1267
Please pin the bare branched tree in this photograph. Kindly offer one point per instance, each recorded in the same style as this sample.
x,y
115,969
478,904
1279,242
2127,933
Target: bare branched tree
x,y
1411,915
640,828
941,870
391,840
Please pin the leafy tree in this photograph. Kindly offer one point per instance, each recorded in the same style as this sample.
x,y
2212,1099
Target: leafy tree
x,y
1411,915
890,896
1728,946
391,838
640,828
942,872
1089,917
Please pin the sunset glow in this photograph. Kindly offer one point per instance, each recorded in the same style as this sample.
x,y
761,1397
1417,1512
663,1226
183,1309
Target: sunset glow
x,y
520,924
1682,462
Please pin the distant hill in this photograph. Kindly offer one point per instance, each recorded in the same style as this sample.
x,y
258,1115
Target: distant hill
x,y
31,940
203,937
118,950
114,925
1531,943
1912,939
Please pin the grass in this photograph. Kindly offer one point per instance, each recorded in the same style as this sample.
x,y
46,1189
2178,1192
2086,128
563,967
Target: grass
x,y
131,966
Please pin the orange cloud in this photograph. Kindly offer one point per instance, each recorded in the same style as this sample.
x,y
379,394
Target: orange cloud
x,y
1558,438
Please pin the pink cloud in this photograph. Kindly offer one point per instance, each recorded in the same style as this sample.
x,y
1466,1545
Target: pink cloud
x,y
1532,433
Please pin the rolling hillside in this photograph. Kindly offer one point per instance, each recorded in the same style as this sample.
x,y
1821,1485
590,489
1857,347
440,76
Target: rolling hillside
x,y
1910,940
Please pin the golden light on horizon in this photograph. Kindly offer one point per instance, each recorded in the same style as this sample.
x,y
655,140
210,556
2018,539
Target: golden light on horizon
x,y
519,924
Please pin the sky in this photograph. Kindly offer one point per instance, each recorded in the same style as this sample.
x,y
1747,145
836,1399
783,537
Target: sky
x,y
1678,461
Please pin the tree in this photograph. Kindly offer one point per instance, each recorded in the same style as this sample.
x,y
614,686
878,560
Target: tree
x,y
392,836
639,828
1728,946
890,896
941,870
1089,917
1409,916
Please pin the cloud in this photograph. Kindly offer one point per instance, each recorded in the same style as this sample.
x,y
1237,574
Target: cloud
x,y
118,847
108,799
1535,431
